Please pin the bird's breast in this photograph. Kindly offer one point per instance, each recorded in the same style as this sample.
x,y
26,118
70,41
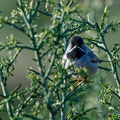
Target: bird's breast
x,y
75,53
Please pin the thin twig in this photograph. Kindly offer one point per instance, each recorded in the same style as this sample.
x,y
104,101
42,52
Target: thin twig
x,y
16,27
14,57
20,2
2,96
51,64
22,47
46,13
104,68
35,11
68,96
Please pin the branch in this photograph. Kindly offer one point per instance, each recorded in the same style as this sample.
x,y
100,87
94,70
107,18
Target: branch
x,y
46,13
32,38
106,69
23,104
72,29
108,103
35,11
81,114
111,90
51,64
27,21
110,57
22,47
46,53
16,27
14,58
86,22
16,89
6,94
97,45
2,96
30,116
68,96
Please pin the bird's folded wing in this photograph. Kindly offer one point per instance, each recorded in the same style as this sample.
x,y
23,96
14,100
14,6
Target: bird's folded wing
x,y
94,58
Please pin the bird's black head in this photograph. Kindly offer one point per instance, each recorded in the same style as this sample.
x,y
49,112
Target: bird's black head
x,y
75,52
76,40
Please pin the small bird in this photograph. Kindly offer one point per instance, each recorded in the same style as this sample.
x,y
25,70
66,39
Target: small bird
x,y
81,56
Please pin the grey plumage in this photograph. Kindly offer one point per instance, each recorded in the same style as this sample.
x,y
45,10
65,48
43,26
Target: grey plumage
x,y
81,56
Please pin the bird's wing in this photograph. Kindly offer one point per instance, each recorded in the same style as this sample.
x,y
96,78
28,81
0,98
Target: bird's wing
x,y
93,57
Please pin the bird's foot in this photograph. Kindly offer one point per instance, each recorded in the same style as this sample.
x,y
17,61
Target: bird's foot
x,y
84,80
76,83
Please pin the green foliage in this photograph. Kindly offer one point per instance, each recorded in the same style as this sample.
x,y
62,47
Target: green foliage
x,y
51,93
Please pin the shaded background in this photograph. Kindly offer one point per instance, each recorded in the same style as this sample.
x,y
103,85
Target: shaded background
x,y
92,8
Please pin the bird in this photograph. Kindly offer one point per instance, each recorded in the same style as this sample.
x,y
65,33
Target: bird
x,y
81,56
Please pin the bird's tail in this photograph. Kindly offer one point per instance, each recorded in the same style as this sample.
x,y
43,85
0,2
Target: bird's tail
x,y
101,61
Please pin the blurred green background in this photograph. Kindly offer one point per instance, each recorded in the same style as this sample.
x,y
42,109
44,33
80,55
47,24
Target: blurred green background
x,y
93,9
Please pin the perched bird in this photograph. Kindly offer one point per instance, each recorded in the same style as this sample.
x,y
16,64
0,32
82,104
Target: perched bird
x,y
81,56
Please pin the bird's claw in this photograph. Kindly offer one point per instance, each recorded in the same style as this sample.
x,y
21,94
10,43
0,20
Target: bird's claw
x,y
84,80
